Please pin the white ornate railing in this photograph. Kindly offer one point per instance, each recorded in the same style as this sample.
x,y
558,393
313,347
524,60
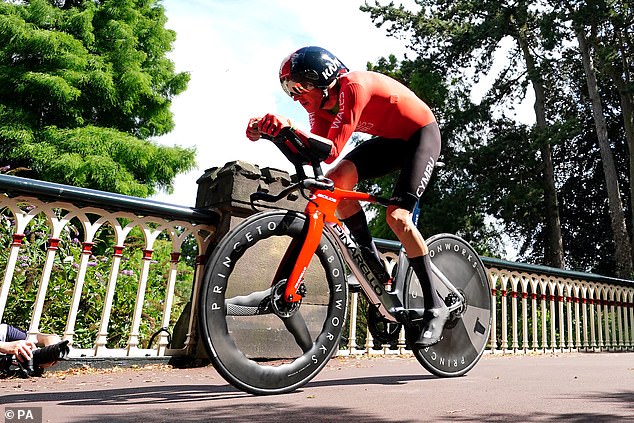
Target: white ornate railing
x,y
557,311
95,210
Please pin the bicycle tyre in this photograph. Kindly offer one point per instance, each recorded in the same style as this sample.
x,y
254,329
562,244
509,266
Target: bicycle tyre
x,y
466,334
276,362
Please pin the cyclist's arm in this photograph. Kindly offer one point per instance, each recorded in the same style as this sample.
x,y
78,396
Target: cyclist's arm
x,y
311,147
328,139
253,132
317,147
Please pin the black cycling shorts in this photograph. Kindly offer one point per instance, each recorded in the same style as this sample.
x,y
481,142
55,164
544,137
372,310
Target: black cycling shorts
x,y
415,158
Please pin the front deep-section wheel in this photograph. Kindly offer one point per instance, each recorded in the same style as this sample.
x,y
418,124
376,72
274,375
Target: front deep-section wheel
x,y
466,333
258,342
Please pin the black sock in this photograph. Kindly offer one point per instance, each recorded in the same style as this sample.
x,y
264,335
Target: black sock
x,y
422,268
357,224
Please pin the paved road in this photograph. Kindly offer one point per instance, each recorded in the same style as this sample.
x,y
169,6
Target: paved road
x,y
542,388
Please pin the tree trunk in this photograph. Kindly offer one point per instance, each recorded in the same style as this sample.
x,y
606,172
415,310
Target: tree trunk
x,y
627,109
623,249
554,250
622,79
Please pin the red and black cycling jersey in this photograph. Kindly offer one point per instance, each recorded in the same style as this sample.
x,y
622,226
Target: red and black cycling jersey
x,y
374,104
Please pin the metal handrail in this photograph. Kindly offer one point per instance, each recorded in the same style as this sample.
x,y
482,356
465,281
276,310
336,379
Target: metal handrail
x,y
43,190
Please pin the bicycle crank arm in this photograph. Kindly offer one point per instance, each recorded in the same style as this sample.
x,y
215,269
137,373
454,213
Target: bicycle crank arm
x,y
296,325
413,315
455,306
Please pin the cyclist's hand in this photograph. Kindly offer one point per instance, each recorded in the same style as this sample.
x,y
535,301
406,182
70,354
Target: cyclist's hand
x,y
272,124
253,133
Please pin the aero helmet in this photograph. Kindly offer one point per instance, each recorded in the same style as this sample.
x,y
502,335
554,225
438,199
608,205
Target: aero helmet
x,y
308,68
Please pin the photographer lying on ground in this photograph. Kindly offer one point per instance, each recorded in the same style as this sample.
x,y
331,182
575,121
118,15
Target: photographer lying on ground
x,y
23,357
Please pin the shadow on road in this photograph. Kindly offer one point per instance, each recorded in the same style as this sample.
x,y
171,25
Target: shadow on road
x,y
181,393
167,405
597,417
392,380
166,400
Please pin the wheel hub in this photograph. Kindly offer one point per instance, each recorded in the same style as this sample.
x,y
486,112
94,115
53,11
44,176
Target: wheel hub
x,y
451,300
281,307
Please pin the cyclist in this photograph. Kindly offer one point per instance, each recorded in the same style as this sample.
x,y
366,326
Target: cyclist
x,y
406,138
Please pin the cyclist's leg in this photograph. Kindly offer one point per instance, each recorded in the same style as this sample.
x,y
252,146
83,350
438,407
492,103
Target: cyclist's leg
x,y
345,176
413,179
466,334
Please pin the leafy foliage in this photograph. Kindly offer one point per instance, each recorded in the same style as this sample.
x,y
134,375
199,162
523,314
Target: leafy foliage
x,y
84,86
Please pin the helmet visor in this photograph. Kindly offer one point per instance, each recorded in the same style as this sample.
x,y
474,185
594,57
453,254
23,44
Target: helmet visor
x,y
293,88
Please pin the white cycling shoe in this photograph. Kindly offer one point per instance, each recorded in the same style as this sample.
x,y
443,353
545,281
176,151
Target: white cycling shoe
x,y
434,321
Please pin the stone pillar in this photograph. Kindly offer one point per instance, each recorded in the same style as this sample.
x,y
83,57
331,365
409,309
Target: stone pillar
x,y
227,190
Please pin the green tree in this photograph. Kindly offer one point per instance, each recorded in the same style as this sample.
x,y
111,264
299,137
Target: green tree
x,y
85,85
604,30
611,24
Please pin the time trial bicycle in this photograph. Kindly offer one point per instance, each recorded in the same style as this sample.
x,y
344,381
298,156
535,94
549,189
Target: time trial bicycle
x,y
270,329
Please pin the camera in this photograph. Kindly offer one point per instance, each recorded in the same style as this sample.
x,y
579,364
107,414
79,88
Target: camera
x,y
41,357
46,355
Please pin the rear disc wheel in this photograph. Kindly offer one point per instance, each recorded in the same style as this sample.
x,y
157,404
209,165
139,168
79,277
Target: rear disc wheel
x,y
466,333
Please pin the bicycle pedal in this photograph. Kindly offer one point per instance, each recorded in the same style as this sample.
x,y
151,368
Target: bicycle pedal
x,y
411,315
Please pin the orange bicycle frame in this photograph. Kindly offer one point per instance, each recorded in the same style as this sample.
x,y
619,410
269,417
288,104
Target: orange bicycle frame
x,y
319,210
